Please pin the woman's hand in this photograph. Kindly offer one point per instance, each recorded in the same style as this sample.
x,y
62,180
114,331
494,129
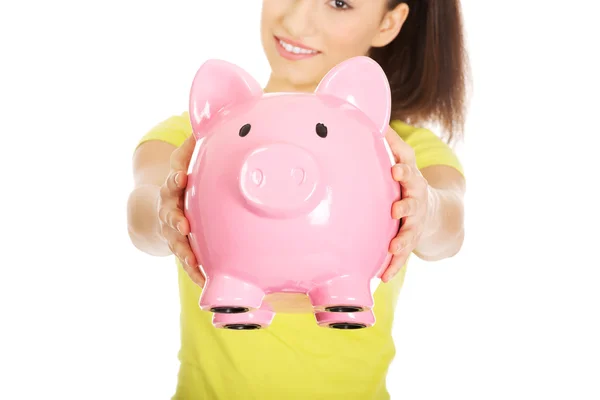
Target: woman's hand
x,y
174,227
411,209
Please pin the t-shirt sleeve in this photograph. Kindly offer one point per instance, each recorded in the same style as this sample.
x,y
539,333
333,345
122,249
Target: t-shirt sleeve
x,y
174,130
428,147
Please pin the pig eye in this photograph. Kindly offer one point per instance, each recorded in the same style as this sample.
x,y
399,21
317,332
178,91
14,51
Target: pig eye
x,y
321,130
244,130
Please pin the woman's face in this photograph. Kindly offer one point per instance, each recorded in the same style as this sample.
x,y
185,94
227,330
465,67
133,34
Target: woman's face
x,y
304,39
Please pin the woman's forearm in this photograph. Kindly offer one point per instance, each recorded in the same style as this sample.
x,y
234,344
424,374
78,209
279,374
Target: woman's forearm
x,y
444,229
142,221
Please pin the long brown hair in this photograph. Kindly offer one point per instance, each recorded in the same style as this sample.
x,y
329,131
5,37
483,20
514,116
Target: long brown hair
x,y
427,66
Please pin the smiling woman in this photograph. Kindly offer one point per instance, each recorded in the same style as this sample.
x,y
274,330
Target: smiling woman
x,y
418,43
332,30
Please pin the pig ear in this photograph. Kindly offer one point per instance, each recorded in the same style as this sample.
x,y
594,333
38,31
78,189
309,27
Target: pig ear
x,y
218,84
361,82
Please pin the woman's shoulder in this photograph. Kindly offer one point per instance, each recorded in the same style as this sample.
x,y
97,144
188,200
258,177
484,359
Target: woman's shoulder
x,y
180,122
174,129
429,148
407,131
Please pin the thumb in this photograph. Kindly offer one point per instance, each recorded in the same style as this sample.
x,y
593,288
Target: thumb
x,y
181,156
402,151
393,139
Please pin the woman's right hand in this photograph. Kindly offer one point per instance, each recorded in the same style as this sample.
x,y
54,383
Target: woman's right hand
x,y
174,227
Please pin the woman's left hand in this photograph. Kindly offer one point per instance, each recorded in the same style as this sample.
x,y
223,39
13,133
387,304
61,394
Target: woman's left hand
x,y
411,209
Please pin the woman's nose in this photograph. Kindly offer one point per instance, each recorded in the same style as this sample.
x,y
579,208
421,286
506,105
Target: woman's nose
x,y
299,18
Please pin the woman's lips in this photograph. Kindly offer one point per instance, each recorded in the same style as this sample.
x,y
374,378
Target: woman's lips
x,y
293,50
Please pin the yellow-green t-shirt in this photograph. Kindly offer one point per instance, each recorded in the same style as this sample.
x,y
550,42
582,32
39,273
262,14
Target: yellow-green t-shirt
x,y
293,358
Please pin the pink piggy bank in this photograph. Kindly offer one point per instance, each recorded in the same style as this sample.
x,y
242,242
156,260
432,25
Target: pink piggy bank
x,y
289,195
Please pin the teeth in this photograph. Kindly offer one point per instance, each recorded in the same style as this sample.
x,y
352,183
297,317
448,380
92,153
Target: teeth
x,y
294,49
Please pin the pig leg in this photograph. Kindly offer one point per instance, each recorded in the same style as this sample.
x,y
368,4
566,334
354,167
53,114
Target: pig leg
x,y
344,295
256,319
229,295
341,320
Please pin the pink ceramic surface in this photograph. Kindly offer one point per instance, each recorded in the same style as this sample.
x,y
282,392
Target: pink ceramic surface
x,y
290,194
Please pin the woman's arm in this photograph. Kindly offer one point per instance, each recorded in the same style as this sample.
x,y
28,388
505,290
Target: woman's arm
x,y
443,233
431,208
156,220
151,166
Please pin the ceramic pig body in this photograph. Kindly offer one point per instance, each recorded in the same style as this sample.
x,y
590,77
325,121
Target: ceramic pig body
x,y
291,193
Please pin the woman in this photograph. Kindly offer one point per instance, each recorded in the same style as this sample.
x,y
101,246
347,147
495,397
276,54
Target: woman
x,y
419,45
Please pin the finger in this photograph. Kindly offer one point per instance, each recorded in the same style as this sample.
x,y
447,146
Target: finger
x,y
176,183
180,158
398,262
194,273
407,207
405,238
176,220
402,151
180,246
165,205
410,179
401,172
184,252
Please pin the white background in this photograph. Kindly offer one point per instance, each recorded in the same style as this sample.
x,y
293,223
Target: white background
x,y
516,315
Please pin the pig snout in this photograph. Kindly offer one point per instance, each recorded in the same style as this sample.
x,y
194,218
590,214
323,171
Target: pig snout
x,y
280,179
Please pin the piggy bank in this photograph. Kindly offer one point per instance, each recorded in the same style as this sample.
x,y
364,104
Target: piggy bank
x,y
289,195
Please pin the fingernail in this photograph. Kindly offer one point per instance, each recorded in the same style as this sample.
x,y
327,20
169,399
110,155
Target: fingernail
x,y
188,261
179,228
398,168
177,178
